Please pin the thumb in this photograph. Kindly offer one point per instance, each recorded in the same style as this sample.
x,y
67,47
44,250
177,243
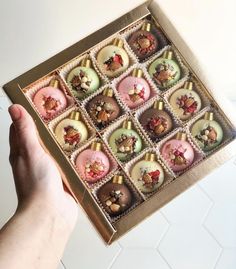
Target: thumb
x,y
25,128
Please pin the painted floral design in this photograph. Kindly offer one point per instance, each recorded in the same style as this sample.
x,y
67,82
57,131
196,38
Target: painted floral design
x,y
102,111
126,144
187,103
112,201
207,136
144,43
136,93
150,179
114,62
156,125
176,156
81,82
164,72
50,104
94,169
71,136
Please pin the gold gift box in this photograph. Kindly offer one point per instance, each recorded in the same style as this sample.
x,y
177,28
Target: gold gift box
x,y
108,230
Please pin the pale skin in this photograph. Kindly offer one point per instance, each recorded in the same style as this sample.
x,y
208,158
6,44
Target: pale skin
x,y
36,235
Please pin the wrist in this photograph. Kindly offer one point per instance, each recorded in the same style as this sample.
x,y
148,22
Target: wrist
x,y
45,213
41,226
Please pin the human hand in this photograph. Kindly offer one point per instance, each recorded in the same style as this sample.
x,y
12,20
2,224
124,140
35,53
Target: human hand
x,y
37,179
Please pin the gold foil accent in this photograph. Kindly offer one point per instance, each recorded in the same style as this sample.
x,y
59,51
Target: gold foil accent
x,y
86,62
118,42
74,115
96,146
209,116
54,83
108,92
181,136
127,124
137,72
158,104
117,179
188,85
146,27
151,157
168,54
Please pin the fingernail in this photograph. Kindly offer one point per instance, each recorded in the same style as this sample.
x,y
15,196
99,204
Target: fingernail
x,y
14,112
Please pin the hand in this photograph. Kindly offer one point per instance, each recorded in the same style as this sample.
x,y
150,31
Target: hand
x,y
37,179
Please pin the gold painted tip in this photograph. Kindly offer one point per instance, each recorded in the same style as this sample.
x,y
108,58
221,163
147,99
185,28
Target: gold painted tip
x,y
127,124
146,26
96,146
117,179
188,85
137,72
108,92
181,136
74,115
209,116
86,62
54,83
150,157
168,54
118,42
158,104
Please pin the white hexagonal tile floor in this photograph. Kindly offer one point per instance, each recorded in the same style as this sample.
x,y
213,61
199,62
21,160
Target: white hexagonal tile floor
x,y
221,222
139,258
157,226
219,185
227,259
190,208
189,246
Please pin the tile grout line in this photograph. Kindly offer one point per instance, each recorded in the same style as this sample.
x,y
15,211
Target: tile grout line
x,y
218,259
205,192
164,216
207,213
163,258
162,238
62,263
212,235
165,232
212,203
219,244
204,220
205,227
116,256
